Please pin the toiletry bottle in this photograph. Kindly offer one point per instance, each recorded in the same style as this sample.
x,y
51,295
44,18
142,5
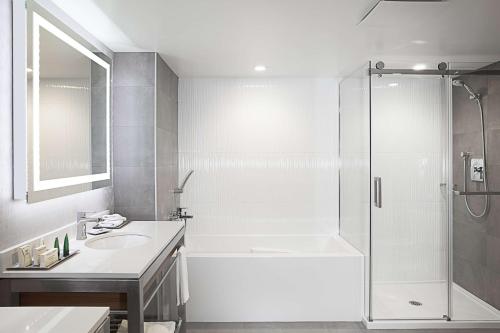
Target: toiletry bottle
x,y
56,246
66,246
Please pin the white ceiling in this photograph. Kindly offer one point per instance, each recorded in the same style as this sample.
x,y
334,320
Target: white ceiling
x,y
290,37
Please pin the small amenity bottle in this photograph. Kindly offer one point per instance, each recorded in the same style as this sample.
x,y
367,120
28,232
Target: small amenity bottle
x,y
66,246
56,246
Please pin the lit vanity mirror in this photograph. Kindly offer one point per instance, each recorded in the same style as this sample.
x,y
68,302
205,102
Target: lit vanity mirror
x,y
67,110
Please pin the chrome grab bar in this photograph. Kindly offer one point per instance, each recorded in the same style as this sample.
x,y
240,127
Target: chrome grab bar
x,y
377,192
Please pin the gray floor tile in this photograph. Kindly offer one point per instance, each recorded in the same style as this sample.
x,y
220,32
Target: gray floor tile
x,y
337,327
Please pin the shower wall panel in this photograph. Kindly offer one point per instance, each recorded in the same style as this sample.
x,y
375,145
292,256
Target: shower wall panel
x,y
145,165
476,242
264,152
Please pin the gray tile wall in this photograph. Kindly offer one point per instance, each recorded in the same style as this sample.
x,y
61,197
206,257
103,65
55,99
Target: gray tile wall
x,y
476,243
133,135
145,142
20,221
166,139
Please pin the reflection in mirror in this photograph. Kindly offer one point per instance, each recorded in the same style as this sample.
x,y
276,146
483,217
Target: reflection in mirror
x,y
68,89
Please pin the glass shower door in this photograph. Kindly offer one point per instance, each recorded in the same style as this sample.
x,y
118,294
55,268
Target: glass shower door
x,y
409,140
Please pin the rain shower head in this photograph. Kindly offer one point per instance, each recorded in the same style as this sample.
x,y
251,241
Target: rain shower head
x,y
472,93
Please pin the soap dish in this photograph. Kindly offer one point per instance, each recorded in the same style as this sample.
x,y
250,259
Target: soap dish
x,y
38,268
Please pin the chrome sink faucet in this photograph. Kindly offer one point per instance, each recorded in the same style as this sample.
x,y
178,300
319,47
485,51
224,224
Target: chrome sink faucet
x,y
81,224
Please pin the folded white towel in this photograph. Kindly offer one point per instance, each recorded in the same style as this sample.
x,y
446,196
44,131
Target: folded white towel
x,y
111,223
150,327
113,217
182,277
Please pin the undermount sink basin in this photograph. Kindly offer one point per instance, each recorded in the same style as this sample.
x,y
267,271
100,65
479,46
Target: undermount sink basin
x,y
117,241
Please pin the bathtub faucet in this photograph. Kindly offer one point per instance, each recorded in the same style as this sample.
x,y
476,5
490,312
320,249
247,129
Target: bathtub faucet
x,y
178,214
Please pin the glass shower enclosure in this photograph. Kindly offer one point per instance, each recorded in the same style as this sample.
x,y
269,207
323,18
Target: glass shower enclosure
x,y
399,185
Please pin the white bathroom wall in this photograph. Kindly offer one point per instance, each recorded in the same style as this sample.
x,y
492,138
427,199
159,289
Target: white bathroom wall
x,y
264,153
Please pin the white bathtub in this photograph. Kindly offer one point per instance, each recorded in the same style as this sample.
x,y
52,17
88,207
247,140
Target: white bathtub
x,y
273,278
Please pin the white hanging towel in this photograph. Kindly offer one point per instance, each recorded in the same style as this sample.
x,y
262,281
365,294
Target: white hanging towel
x,y
182,276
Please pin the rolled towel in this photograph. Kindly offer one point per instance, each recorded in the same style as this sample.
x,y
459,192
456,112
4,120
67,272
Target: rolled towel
x,y
150,327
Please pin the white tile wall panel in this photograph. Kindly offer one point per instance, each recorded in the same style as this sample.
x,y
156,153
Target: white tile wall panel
x,y
264,153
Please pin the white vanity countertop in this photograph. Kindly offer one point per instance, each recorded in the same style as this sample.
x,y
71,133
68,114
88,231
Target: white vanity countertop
x,y
52,319
117,263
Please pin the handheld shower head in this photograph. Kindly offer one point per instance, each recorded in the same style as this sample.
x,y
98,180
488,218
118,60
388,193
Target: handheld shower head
x,y
180,189
472,93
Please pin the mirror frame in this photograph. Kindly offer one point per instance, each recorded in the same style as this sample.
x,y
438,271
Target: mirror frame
x,y
21,187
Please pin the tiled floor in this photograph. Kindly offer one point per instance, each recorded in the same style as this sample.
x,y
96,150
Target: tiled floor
x,y
306,328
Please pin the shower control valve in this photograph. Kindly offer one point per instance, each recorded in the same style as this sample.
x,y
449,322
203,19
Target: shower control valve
x,y
477,169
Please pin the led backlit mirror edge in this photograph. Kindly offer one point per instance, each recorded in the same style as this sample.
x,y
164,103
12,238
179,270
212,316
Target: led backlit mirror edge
x,y
19,95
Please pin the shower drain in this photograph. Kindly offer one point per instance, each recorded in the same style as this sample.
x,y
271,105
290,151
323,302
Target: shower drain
x,y
415,303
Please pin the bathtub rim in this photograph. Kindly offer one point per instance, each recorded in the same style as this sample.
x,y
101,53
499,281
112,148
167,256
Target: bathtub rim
x,y
351,251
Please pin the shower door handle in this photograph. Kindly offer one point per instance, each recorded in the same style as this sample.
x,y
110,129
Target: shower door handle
x,y
377,192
